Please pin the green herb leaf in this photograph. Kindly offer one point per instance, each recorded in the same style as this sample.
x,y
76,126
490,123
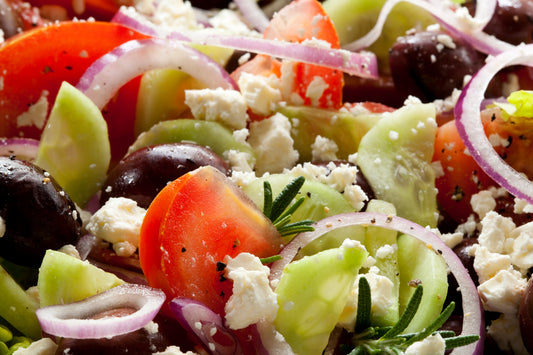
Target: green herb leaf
x,y
407,315
364,306
285,197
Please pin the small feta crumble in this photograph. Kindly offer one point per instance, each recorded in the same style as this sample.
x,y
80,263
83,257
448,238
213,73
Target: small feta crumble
x,y
488,264
152,327
174,350
452,239
432,345
262,94
505,331
521,246
393,135
227,107
482,203
324,149
229,22
288,89
316,89
271,140
469,227
503,292
169,14
44,346
446,40
381,291
252,299
71,250
238,161
497,141
2,227
272,340
386,251
243,178
522,206
495,228
36,113
118,222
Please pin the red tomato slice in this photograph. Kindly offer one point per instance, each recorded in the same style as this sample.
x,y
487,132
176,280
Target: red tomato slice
x,y
36,62
208,219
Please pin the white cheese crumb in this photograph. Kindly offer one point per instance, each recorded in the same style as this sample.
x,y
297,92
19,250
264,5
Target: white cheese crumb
x,y
495,229
503,292
227,107
506,333
36,114
482,203
324,149
174,350
118,221
252,299
432,345
261,93
44,346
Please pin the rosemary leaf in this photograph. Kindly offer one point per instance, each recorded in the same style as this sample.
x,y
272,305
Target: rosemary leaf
x,y
271,259
296,227
285,197
364,306
267,204
435,325
461,340
407,315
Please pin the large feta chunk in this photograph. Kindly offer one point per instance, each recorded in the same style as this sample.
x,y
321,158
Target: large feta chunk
x,y
253,299
118,222
495,229
505,331
227,107
488,264
261,93
503,292
271,140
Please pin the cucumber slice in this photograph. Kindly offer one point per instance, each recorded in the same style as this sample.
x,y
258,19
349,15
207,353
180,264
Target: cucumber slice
x,y
312,293
207,133
74,146
65,279
343,127
395,157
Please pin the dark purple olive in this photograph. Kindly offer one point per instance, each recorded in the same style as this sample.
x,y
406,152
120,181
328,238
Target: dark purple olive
x,y
525,316
143,173
37,214
428,66
512,21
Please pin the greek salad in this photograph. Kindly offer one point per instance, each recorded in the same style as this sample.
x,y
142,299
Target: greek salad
x,y
266,177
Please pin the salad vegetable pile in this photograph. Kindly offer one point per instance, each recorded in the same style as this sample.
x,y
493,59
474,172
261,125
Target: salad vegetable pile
x,y
266,177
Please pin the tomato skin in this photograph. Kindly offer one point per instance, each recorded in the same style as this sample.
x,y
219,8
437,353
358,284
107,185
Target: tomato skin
x,y
36,62
208,218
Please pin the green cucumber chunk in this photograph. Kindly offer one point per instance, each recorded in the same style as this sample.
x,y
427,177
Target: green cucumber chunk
x,y
312,293
419,263
207,133
17,307
162,91
65,279
74,146
395,157
320,201
343,127
386,262
354,18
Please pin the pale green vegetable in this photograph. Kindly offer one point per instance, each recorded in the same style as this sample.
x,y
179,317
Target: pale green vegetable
x,y
312,293
74,146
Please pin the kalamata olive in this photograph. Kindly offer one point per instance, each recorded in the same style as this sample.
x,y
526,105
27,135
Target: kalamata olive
x,y
37,214
525,316
430,64
143,173
512,21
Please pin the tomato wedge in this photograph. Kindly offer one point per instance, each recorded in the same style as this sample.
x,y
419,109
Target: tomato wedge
x,y
189,229
36,62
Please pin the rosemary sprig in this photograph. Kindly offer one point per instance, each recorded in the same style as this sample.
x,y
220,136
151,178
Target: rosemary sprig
x,y
390,340
280,210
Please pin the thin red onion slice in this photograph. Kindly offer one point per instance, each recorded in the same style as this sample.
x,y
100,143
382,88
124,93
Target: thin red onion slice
x,y
473,323
253,14
206,325
470,128
72,320
363,64
21,148
464,26
109,73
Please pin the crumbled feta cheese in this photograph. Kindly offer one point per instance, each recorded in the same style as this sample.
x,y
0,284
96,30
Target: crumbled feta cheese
x,y
522,206
271,140
482,203
229,22
117,221
227,107
495,228
503,292
488,264
243,178
522,246
324,149
452,239
261,93
252,299
36,114
172,14
356,196
432,345
71,250
272,340
238,161
316,89
505,331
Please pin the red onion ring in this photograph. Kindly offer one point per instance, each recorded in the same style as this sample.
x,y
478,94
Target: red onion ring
x,y
362,64
109,73
21,148
253,14
470,128
71,320
473,323
471,31
206,325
